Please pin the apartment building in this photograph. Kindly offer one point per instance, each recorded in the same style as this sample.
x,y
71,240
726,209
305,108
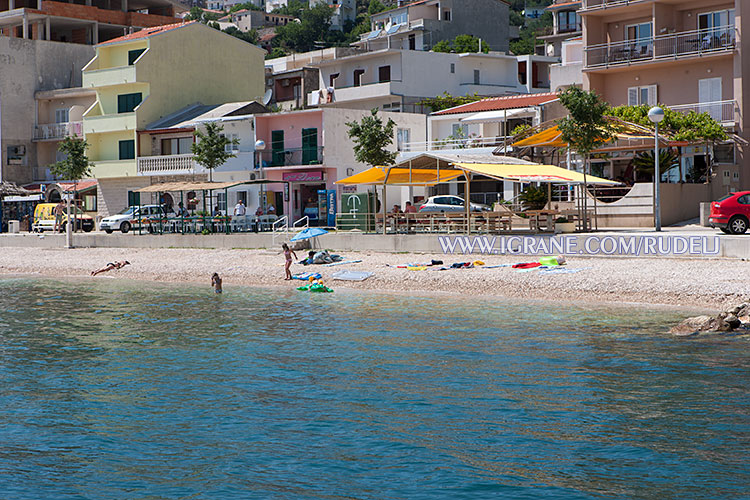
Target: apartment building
x,y
420,25
311,150
89,22
566,24
688,55
135,84
396,79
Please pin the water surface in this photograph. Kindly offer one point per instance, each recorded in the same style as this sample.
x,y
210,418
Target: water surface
x,y
117,390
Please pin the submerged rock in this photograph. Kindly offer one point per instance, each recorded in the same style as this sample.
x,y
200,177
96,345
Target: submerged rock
x,y
728,321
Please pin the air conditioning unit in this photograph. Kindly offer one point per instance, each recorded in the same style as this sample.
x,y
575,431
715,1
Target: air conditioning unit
x,y
252,177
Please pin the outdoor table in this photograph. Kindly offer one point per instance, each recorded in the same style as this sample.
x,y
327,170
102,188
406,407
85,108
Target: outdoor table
x,y
539,218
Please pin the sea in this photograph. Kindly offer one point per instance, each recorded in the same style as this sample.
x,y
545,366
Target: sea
x,y
115,389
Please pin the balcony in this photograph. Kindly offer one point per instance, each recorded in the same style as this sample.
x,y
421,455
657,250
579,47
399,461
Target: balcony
x,y
681,45
724,112
603,4
452,144
57,131
292,157
109,76
114,122
360,92
185,164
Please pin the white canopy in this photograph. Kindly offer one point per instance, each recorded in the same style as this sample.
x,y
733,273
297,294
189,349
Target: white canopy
x,y
499,115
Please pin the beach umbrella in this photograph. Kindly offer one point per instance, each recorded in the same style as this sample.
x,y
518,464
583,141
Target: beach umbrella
x,y
310,232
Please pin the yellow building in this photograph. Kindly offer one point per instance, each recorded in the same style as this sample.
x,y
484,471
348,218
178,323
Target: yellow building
x,y
144,76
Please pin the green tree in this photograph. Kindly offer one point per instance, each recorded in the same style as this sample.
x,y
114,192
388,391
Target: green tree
x,y
211,148
447,100
292,8
586,127
249,36
376,6
371,138
74,167
313,27
692,126
276,52
462,44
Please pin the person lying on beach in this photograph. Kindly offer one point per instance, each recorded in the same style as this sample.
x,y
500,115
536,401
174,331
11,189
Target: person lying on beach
x,y
216,282
110,266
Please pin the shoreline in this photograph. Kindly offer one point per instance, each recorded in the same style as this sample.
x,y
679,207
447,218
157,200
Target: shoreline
x,y
693,284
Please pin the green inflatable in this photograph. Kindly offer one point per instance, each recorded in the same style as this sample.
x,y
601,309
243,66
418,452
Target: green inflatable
x,y
315,288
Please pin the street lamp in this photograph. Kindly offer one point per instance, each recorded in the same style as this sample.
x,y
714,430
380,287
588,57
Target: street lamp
x,y
260,145
656,114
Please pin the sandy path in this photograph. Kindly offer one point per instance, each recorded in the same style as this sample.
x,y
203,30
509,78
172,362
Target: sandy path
x,y
695,283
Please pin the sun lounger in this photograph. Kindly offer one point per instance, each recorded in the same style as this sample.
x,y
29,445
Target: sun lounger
x,y
342,262
351,275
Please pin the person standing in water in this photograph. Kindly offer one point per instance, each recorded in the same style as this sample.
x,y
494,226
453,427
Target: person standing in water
x,y
216,282
288,252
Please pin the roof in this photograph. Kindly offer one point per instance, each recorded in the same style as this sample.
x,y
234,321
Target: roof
x,y
556,6
81,185
10,189
146,33
418,2
193,114
500,103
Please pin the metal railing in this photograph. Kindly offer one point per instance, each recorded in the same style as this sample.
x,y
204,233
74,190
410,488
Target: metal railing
x,y
450,143
603,4
721,111
669,46
58,130
280,227
166,164
292,156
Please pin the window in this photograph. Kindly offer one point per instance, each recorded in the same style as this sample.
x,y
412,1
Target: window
x,y
89,203
133,55
642,95
567,20
453,68
724,153
126,103
358,77
476,77
447,15
127,150
403,138
134,199
459,130
640,36
713,20
332,79
62,116
384,74
231,148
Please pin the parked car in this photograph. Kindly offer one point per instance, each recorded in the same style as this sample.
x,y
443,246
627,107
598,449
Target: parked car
x,y
731,213
44,218
125,220
450,203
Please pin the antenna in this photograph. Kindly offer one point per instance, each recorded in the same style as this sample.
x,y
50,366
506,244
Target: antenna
x,y
267,97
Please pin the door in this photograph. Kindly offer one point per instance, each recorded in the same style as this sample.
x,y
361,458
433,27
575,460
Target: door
x,y
384,74
412,42
277,148
309,146
709,96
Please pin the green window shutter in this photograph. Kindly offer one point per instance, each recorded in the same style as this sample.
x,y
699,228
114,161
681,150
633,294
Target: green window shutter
x,y
277,148
134,198
126,103
127,150
133,55
309,146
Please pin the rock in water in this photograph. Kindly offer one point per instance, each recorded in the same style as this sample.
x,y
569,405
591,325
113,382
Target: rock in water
x,y
694,325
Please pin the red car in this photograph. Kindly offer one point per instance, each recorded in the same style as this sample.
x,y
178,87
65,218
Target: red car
x,y
731,213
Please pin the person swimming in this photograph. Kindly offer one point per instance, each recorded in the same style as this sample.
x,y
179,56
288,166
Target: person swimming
x,y
216,283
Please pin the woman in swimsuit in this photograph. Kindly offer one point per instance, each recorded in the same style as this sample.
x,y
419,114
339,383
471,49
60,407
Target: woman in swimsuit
x,y
110,266
288,252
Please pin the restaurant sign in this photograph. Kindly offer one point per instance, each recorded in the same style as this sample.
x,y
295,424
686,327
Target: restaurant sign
x,y
315,176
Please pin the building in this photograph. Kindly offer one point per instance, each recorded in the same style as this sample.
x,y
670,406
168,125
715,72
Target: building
x,y
566,24
135,84
420,25
28,68
396,79
272,5
344,11
310,149
569,71
246,20
289,88
686,55
89,22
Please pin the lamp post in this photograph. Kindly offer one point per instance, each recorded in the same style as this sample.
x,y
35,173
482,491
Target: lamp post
x,y
260,145
656,114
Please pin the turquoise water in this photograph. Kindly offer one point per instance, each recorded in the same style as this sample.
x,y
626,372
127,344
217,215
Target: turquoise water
x,y
115,390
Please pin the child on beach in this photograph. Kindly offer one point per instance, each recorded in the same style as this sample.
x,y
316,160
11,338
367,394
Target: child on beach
x,y
288,252
216,282
110,266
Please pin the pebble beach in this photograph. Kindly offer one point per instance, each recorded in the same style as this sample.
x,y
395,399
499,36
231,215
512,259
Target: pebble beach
x,y
704,283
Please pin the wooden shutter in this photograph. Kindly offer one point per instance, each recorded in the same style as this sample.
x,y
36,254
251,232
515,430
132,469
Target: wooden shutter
x,y
633,96
652,96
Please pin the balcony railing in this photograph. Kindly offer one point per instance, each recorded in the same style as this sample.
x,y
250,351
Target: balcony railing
x,y
52,131
670,46
292,157
167,164
603,4
568,27
450,143
721,111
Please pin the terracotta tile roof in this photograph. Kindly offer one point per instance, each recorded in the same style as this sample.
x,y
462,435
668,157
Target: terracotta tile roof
x,y
146,32
499,103
563,5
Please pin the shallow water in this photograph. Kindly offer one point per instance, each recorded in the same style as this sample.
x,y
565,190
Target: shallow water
x,y
116,390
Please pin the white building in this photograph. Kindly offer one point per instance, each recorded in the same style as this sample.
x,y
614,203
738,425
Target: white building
x,y
398,80
271,5
569,71
343,11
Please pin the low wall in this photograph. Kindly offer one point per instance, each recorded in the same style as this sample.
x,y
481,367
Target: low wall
x,y
688,244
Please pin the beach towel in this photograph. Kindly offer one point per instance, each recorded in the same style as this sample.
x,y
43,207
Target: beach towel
x,y
561,270
351,275
462,265
342,263
526,265
416,268
307,276
495,266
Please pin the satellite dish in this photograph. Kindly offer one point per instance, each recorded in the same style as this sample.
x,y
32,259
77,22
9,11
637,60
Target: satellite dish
x,y
267,97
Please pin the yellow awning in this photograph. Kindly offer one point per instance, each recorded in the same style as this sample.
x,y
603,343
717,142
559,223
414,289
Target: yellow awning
x,y
550,138
532,173
401,176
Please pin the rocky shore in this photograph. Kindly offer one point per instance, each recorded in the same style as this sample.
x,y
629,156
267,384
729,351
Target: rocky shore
x,y
703,285
735,320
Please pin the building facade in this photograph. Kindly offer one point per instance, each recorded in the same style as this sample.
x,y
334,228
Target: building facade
x,y
685,55
133,77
